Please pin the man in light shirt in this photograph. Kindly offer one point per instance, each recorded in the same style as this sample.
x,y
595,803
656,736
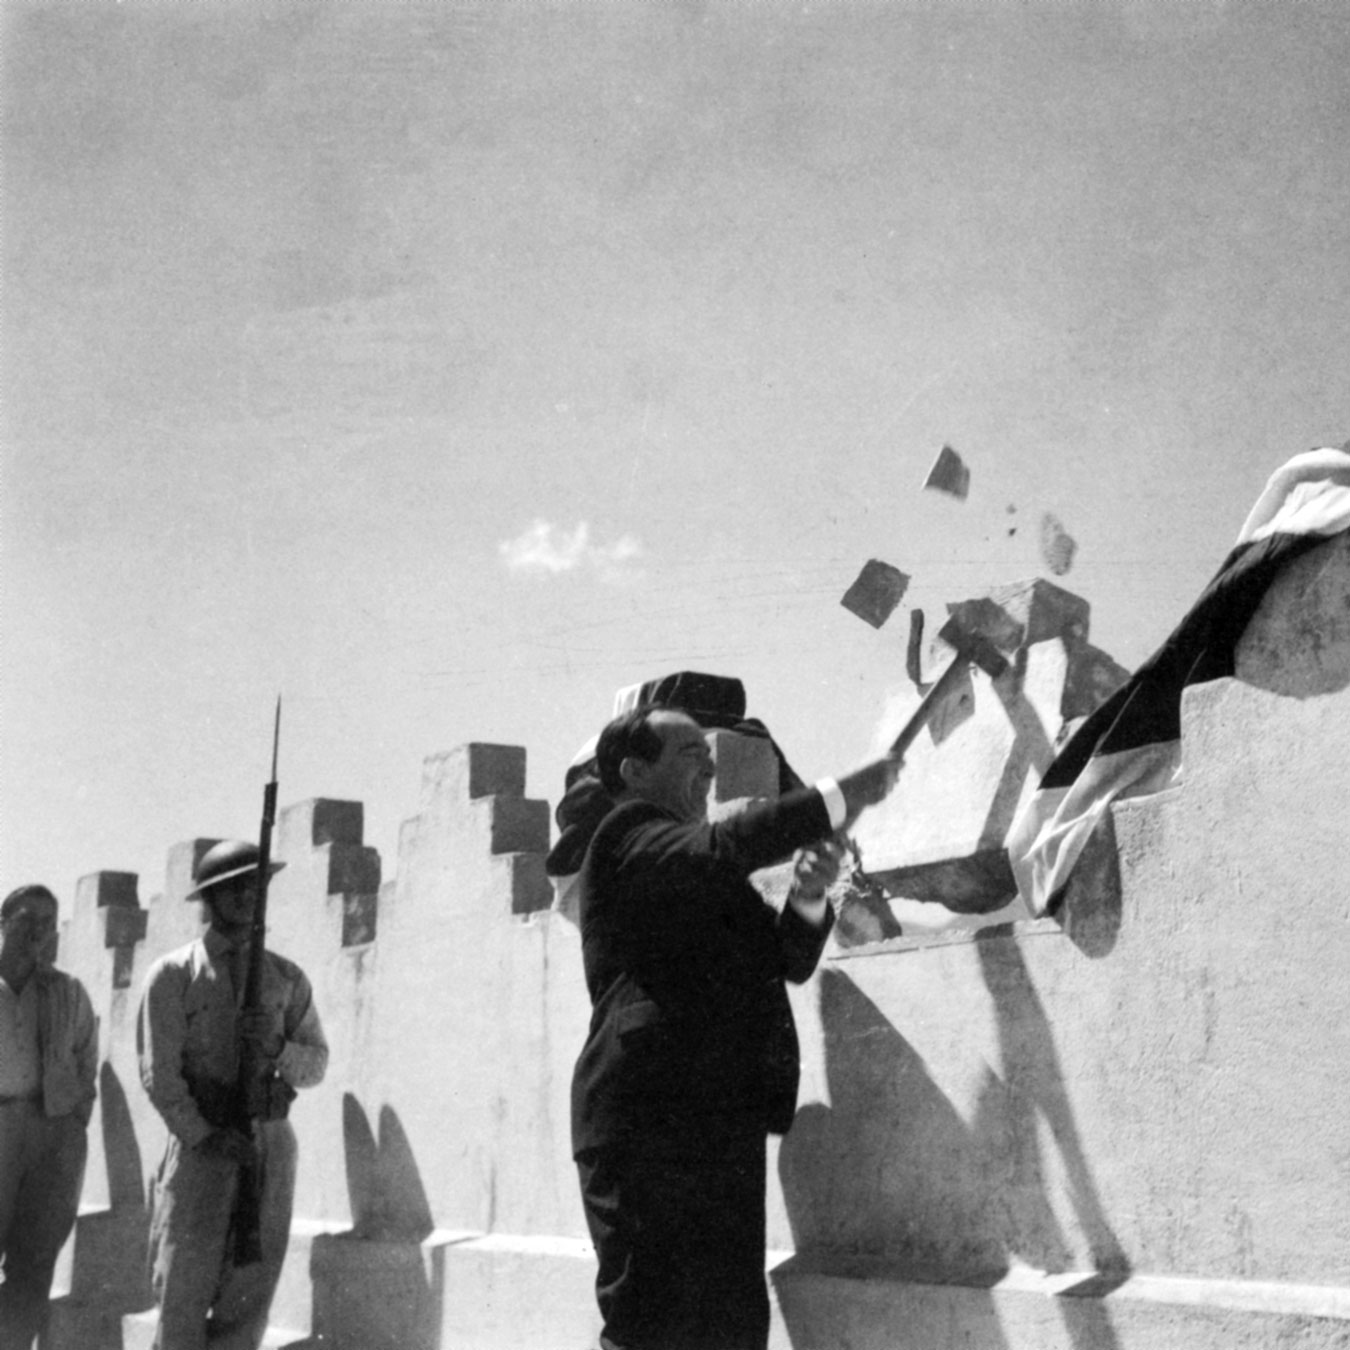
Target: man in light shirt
x,y
189,1034
48,1060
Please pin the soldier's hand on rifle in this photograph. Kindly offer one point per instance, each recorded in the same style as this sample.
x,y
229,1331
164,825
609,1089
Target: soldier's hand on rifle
x,y
231,1145
269,1097
262,1031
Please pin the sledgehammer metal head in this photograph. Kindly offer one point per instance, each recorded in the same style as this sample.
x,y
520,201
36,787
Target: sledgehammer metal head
x,y
974,647
971,648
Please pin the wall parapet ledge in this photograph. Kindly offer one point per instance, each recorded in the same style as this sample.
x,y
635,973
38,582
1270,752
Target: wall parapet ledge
x,y
473,795
322,840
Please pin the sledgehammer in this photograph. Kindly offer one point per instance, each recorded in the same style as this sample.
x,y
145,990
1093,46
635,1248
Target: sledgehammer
x,y
971,649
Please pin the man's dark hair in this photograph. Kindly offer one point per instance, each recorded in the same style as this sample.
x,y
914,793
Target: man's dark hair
x,y
628,734
15,899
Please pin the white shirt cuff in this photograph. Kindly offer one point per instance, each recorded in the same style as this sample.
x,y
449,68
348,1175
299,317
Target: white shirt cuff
x,y
834,802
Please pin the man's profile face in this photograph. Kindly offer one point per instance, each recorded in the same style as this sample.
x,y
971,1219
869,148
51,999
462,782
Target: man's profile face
x,y
679,779
32,930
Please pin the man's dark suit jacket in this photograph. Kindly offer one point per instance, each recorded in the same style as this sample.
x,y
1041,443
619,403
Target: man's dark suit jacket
x,y
691,1044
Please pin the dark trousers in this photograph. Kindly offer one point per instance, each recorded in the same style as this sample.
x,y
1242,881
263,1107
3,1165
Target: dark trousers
x,y
41,1171
680,1242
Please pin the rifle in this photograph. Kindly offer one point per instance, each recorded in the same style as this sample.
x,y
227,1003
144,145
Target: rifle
x,y
248,1207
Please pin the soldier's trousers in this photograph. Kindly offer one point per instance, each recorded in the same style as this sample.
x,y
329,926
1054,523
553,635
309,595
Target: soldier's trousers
x,y
204,1298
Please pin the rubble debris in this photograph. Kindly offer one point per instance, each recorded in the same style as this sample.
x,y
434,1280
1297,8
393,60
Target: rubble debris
x,y
876,592
1057,545
862,912
987,617
949,474
914,649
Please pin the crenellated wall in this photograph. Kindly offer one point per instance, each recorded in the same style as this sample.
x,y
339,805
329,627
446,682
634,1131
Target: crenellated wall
x,y
1127,1127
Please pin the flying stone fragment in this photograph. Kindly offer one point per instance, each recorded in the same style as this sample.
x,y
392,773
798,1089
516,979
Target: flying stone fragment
x,y
914,649
1057,545
875,594
949,474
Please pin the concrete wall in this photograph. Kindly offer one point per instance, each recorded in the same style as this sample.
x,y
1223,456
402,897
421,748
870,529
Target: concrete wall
x,y
1127,1127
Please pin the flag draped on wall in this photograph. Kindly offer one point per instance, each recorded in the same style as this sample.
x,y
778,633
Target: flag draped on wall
x,y
1131,745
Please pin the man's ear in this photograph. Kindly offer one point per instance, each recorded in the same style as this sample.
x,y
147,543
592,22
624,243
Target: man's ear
x,y
633,771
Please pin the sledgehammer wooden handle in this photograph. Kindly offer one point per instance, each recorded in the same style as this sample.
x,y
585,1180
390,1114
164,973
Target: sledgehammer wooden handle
x,y
919,717
972,648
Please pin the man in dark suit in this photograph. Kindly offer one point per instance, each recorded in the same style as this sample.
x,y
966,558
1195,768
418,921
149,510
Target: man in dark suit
x,y
692,1057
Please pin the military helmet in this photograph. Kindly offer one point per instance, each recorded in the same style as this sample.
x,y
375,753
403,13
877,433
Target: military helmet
x,y
223,862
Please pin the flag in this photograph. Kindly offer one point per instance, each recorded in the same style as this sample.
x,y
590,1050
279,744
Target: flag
x,y
1131,745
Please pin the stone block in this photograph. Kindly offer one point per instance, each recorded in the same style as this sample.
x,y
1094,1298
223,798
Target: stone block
x,y
293,1302
352,868
531,890
318,821
484,1280
105,915
1043,609
1298,641
360,913
471,772
138,1333
108,890
746,766
123,927
100,1275
518,825
495,770
124,967
326,898
875,593
949,474
826,1300
376,1295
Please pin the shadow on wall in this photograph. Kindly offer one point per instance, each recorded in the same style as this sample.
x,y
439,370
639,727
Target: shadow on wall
x,y
121,1152
892,1171
384,1188
1089,906
1030,753
126,1280
107,1275
372,1286
1008,1114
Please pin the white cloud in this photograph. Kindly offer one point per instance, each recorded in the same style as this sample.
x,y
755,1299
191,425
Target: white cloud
x,y
549,548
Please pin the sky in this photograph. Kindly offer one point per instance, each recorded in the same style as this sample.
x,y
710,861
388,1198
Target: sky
x,y
446,367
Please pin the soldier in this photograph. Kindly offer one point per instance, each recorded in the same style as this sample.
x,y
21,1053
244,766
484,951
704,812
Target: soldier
x,y
190,1031
48,1058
